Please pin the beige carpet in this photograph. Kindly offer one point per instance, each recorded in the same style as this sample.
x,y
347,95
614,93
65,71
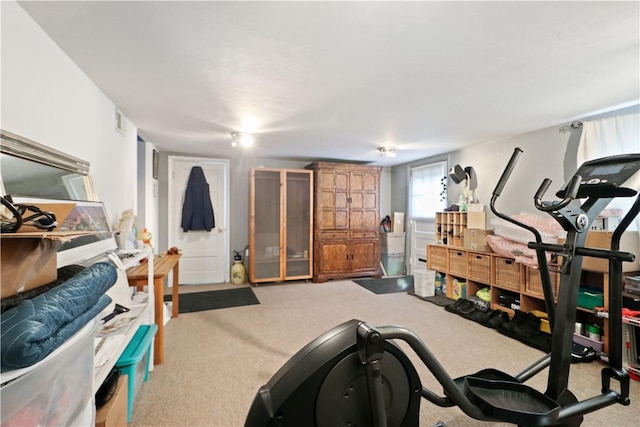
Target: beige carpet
x,y
215,361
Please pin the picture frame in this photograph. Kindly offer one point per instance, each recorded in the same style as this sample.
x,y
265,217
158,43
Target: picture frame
x,y
80,216
154,164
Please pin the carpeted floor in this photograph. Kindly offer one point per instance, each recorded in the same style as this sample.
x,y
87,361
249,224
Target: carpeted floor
x,y
215,361
387,285
213,300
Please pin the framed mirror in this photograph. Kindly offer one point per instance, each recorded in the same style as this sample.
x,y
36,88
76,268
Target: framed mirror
x,y
28,168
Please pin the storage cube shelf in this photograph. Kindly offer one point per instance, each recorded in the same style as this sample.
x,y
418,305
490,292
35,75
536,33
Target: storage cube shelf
x,y
512,284
450,228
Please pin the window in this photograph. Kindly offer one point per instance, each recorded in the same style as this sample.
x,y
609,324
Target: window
x,y
428,190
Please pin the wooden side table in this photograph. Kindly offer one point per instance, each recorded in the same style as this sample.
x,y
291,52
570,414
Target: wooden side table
x,y
138,276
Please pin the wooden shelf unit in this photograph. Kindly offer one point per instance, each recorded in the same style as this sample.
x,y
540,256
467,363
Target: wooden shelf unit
x,y
504,275
450,228
281,225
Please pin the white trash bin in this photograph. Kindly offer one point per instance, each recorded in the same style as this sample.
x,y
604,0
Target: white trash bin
x,y
424,282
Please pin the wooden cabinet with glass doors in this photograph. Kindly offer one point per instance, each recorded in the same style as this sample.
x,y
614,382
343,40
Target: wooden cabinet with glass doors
x,y
280,229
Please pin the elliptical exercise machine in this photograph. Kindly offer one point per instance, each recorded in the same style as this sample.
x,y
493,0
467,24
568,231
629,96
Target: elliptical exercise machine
x,y
353,375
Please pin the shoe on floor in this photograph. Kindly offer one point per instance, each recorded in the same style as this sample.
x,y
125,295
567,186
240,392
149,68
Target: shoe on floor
x,y
518,318
498,318
529,327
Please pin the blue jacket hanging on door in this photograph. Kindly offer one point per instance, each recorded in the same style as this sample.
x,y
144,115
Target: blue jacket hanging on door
x,y
197,210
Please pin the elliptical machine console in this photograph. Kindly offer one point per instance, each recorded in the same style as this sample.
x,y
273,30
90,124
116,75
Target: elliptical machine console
x,y
355,375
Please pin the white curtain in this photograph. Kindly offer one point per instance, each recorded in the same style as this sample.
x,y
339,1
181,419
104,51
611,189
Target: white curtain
x,y
607,137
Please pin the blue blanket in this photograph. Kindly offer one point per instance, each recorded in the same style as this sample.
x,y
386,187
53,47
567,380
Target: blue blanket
x,y
35,328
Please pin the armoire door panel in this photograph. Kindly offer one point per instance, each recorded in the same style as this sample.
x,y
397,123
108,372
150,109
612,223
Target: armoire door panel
x,y
357,200
342,219
370,201
342,200
341,181
335,258
356,183
327,199
365,256
326,181
370,183
370,220
356,220
327,220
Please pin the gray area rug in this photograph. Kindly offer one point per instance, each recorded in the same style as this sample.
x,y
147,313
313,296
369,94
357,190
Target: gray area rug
x,y
439,300
387,285
213,300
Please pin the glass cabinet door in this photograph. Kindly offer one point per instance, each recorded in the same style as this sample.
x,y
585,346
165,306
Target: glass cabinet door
x,y
298,224
267,222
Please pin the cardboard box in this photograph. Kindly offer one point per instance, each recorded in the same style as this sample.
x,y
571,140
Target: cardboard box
x,y
476,220
28,260
474,239
605,224
602,239
114,412
26,263
60,210
397,222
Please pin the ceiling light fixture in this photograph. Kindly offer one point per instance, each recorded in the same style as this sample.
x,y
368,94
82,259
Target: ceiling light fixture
x,y
387,152
244,139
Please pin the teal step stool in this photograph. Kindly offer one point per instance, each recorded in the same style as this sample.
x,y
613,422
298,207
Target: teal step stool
x,y
137,349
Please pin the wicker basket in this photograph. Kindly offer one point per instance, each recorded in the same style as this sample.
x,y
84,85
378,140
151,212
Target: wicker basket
x,y
533,284
507,273
437,259
480,268
458,263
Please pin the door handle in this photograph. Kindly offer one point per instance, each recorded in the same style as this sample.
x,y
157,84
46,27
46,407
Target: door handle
x,y
220,229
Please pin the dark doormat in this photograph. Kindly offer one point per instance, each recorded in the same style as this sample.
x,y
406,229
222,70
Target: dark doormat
x,y
439,300
213,300
387,285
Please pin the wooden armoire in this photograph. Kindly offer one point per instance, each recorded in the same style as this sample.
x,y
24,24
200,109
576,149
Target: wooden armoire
x,y
346,219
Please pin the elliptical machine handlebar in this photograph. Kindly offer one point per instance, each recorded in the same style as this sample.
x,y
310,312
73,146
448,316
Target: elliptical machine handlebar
x,y
507,173
498,190
570,195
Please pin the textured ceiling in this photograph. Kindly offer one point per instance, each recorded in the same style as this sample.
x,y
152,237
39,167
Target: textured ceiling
x,y
336,80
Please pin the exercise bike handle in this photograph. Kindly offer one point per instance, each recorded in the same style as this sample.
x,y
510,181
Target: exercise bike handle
x,y
572,191
507,171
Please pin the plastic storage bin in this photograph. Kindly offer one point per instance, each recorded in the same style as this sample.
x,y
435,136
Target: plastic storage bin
x,y
590,298
393,264
134,362
56,390
424,282
392,243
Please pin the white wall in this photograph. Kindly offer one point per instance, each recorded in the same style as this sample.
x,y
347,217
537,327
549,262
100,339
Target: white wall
x,y
46,98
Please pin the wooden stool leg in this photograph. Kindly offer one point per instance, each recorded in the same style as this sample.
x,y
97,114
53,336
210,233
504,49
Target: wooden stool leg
x,y
158,347
176,284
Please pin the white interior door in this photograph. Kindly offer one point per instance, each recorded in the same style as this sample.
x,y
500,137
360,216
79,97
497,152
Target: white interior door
x,y
422,234
205,254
